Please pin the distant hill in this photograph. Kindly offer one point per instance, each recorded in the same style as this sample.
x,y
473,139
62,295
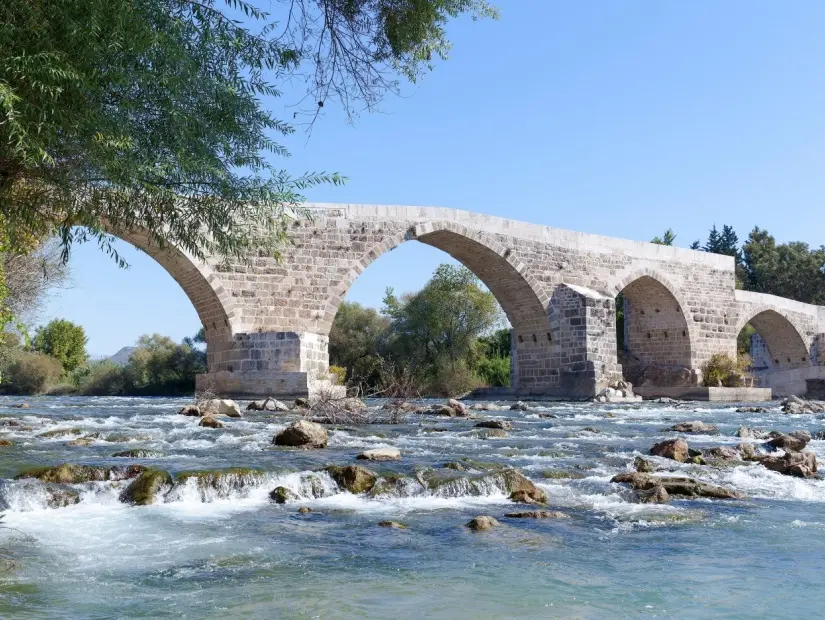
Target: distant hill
x,y
121,358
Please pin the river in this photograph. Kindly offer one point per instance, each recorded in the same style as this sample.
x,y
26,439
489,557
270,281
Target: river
x,y
228,551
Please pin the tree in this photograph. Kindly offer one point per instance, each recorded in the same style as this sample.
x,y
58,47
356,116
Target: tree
x,y
791,270
356,342
64,341
436,330
668,238
149,114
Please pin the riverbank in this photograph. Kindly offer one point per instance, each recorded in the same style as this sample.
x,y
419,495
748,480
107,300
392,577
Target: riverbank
x,y
220,545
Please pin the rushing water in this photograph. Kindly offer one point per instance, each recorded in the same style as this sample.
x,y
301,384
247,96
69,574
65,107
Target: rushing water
x,y
228,551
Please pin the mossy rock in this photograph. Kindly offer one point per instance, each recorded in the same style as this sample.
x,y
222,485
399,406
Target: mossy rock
x,y
60,496
140,453
446,483
281,495
560,474
395,525
233,477
61,432
468,464
76,474
353,478
5,443
144,489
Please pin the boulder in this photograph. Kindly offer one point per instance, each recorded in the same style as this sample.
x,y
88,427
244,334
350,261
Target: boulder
x,y
799,464
88,440
751,433
190,410
529,497
380,454
696,426
353,478
280,495
493,433
537,514
747,451
643,465
445,410
221,406
270,404
482,523
687,487
76,474
302,403
676,449
303,509
795,404
403,407
792,442
395,525
58,496
500,424
655,495
487,407
752,410
210,422
459,407
303,434
140,453
144,489
722,453
519,406
5,443
447,483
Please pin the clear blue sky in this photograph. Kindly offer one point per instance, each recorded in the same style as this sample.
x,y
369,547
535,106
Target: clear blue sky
x,y
616,118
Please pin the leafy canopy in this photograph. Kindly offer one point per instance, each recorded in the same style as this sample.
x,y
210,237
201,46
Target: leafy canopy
x,y
64,341
119,115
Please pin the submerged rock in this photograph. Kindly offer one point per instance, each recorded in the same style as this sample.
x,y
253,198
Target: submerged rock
x,y
499,424
303,434
643,465
210,422
687,487
537,514
560,474
60,496
302,510
487,407
445,483
444,410
696,426
5,443
676,449
529,497
61,432
144,489
140,453
751,433
519,406
459,407
76,474
792,442
190,410
21,406
270,404
281,495
799,464
395,525
353,478
88,440
221,483
752,410
221,406
656,495
380,454
484,522
493,433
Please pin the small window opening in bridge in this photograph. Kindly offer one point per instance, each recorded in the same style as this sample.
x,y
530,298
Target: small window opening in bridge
x,y
520,338
549,337
534,338
425,318
665,334
657,310
684,334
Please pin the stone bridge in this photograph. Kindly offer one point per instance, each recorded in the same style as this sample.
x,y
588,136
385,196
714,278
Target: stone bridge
x,y
267,322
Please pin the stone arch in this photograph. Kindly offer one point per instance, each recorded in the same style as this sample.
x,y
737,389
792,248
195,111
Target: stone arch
x,y
656,328
782,335
520,294
200,283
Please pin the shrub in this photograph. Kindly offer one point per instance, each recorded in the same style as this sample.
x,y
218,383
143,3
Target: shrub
x,y
64,341
31,373
725,370
339,374
495,371
102,378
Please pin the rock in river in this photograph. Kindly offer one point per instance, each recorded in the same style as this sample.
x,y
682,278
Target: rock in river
x,y
499,424
483,522
799,464
210,422
696,426
144,489
676,449
687,487
281,495
643,465
459,407
380,454
353,478
221,406
537,514
395,525
303,434
270,404
794,404
190,410
792,442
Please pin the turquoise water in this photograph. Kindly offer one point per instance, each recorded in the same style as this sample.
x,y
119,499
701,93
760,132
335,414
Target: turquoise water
x,y
230,552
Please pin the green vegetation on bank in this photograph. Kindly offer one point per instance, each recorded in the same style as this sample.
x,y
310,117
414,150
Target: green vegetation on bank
x,y
441,340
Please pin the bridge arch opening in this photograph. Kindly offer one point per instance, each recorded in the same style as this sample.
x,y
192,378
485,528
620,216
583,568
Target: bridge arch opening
x,y
520,296
772,342
652,334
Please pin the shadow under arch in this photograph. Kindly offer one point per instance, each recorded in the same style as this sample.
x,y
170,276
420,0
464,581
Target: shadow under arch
x,y
782,336
656,329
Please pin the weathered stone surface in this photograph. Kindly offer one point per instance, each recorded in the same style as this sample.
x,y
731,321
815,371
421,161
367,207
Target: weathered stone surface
x,y
656,495
519,406
74,474
459,407
210,422
5,443
799,464
676,449
751,433
483,522
537,514
304,510
752,410
796,405
687,487
722,453
493,433
500,424
792,442
303,434
353,478
643,465
380,454
21,406
269,404
221,407
696,426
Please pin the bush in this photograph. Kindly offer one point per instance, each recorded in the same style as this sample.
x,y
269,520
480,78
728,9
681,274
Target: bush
x,y
495,371
725,370
64,341
339,374
102,378
31,373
